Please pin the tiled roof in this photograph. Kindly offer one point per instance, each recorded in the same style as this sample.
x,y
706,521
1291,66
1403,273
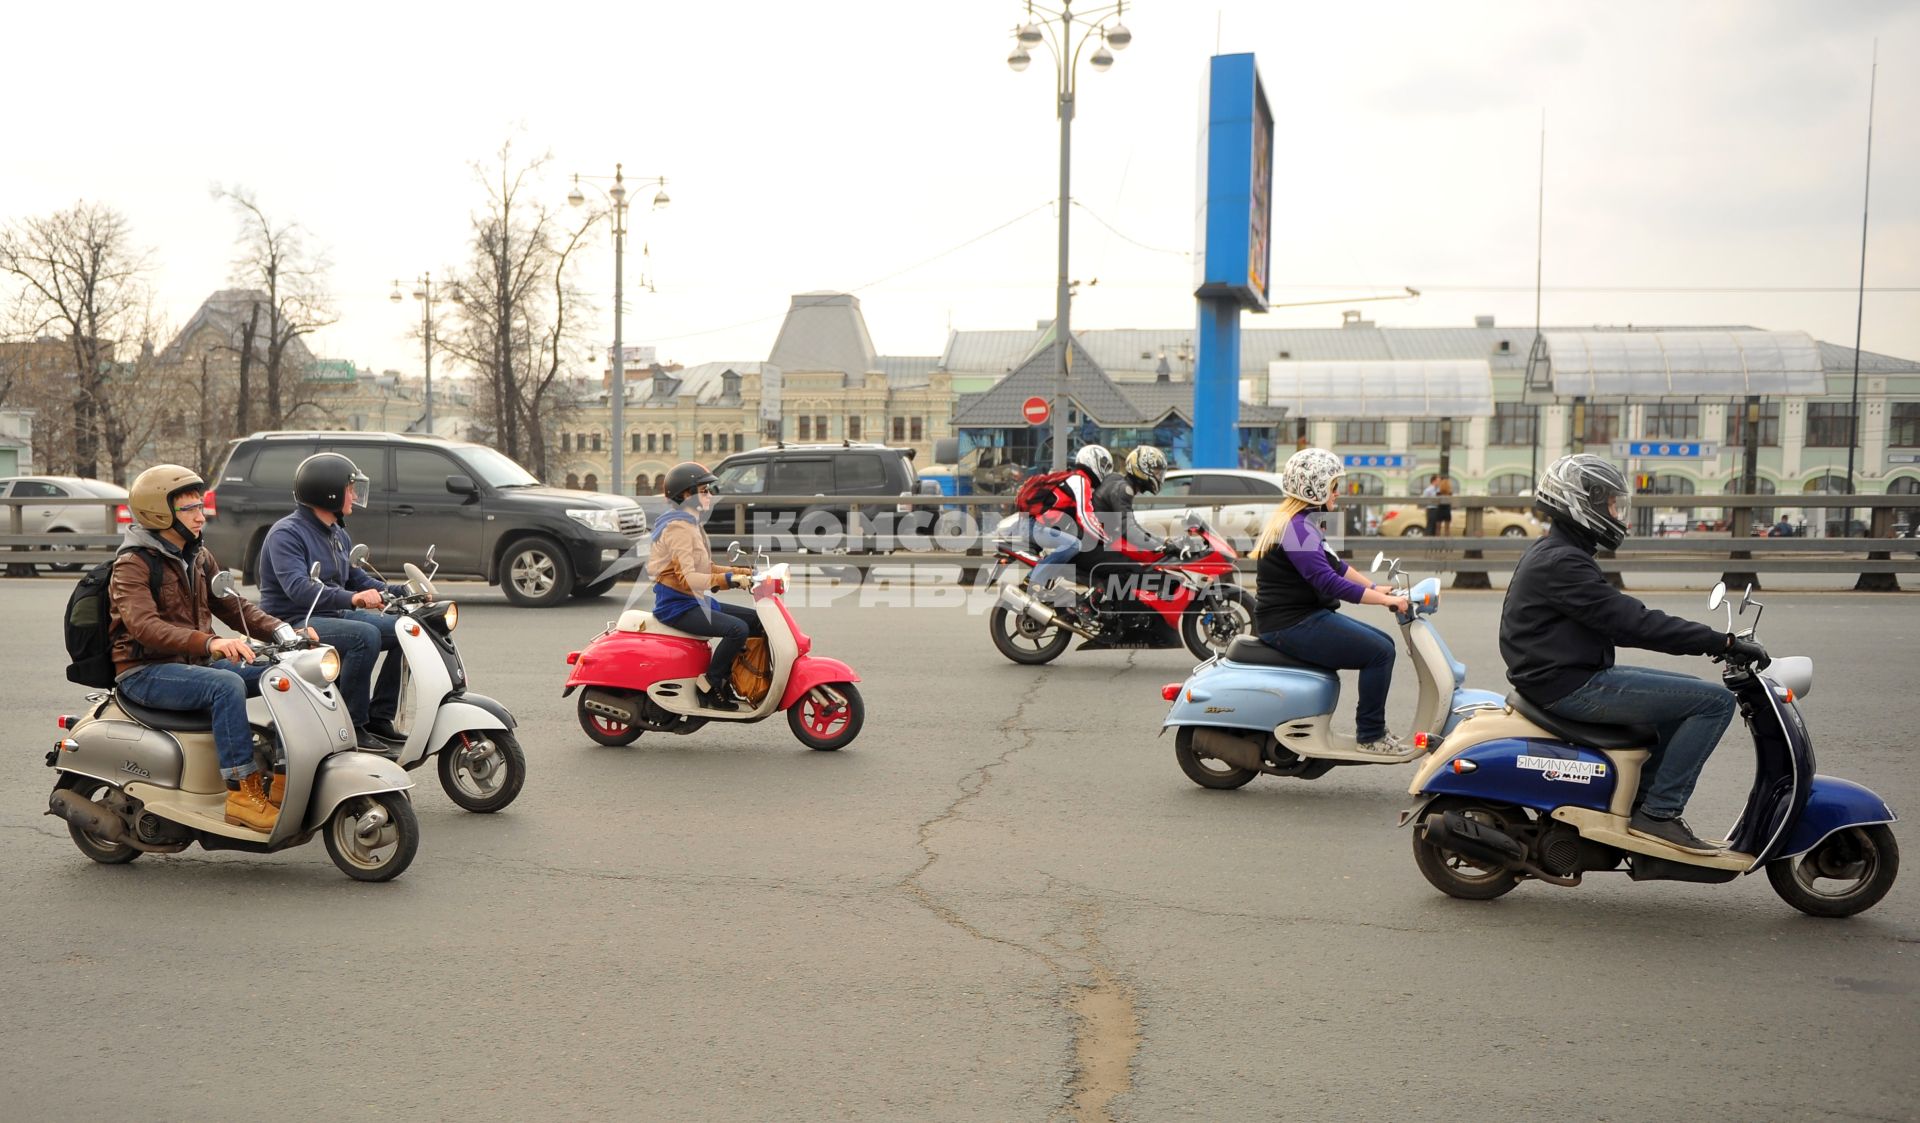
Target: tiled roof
x,y
825,331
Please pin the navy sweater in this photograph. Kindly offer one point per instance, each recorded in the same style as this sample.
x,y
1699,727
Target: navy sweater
x,y
294,544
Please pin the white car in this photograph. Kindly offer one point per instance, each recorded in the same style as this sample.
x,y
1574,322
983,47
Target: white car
x,y
67,518
1239,523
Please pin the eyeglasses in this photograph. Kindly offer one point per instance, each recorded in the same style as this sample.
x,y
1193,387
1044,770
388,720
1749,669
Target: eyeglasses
x,y
191,509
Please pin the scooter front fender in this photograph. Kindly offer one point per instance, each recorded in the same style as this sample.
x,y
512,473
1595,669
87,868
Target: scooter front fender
x,y
810,671
343,775
462,714
1229,695
1833,805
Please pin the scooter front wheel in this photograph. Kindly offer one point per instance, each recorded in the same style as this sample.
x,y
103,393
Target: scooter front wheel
x,y
603,730
828,726
1457,875
1206,771
482,770
1023,639
1847,873
373,837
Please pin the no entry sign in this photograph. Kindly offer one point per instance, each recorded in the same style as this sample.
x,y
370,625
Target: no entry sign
x,y
1035,410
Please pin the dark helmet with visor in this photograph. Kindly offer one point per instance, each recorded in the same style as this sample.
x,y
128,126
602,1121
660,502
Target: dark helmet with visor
x,y
1587,496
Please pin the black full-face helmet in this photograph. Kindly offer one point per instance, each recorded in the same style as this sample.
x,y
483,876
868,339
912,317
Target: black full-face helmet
x,y
322,480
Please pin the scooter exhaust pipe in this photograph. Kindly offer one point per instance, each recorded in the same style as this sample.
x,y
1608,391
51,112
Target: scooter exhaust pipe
x,y
1454,831
1480,842
609,705
88,816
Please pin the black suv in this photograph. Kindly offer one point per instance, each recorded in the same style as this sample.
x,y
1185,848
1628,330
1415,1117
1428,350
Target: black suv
x,y
486,515
807,479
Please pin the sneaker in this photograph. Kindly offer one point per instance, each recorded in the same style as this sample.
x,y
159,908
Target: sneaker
x,y
1387,745
369,741
247,805
724,699
1674,832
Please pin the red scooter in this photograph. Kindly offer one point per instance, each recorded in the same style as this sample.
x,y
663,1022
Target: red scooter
x,y
640,676
1190,601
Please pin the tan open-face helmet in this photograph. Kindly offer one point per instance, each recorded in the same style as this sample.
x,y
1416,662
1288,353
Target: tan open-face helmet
x,y
151,496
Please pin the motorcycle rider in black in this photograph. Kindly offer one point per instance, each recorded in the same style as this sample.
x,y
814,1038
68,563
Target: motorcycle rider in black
x,y
1117,566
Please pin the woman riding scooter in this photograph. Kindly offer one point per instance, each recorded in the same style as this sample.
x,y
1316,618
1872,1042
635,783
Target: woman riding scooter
x,y
681,565
1302,582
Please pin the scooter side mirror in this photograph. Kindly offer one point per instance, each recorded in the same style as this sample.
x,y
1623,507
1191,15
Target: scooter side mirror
x,y
222,584
1379,559
1718,596
734,551
359,554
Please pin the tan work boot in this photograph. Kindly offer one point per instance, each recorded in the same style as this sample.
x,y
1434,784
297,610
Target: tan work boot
x,y
247,805
277,793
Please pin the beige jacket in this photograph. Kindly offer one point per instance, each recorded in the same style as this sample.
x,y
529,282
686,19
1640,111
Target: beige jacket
x,y
679,559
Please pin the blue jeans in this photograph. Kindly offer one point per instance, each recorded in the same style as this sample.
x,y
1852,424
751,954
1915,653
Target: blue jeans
x,y
1338,642
730,624
360,635
222,687
1689,713
1062,546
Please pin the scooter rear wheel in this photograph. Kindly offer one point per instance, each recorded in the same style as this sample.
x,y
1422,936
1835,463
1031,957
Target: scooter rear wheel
x,y
1206,771
1457,875
1860,861
603,730
1024,640
99,849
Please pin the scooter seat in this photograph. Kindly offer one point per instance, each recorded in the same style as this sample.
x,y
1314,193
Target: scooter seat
x,y
1248,649
173,721
1590,734
634,620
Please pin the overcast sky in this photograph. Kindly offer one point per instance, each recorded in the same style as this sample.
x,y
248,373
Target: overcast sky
x,y
836,145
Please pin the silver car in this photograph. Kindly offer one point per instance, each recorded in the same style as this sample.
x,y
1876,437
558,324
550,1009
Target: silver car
x,y
67,518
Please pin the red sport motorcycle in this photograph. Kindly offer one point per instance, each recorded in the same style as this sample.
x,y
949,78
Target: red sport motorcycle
x,y
640,676
1186,599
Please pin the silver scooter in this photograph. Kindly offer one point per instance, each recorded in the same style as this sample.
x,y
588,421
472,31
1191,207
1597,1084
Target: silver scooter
x,y
134,780
482,767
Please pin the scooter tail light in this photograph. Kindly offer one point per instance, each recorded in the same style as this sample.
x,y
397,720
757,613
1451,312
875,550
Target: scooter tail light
x,y
572,658
66,721
1420,741
1170,691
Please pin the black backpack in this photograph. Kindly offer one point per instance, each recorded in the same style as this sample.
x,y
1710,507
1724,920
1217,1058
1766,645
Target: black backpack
x,y
89,623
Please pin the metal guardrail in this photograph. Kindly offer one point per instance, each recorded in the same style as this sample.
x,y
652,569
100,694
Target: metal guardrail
x,y
1878,559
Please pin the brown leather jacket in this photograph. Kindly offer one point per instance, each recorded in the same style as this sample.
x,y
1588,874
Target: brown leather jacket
x,y
680,560
179,627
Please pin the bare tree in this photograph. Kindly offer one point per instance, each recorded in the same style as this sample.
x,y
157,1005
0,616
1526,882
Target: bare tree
x,y
79,276
276,262
518,326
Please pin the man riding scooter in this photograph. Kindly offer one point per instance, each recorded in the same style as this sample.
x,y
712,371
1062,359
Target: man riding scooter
x,y
1561,622
346,602
680,562
165,653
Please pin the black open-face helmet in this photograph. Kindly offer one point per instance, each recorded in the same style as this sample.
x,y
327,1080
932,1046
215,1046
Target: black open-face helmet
x,y
322,480
684,479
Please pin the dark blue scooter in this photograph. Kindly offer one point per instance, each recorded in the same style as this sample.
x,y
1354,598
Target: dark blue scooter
x,y
1518,793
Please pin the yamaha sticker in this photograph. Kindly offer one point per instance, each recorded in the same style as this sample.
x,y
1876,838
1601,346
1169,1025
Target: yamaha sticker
x,y
1568,771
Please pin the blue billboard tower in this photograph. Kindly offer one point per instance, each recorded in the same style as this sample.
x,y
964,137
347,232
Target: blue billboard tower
x,y
1235,229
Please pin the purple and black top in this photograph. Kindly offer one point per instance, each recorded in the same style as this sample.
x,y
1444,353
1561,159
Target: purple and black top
x,y
1300,576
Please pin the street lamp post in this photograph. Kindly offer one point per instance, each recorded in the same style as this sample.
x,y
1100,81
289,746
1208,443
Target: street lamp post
x,y
617,199
1065,44
423,292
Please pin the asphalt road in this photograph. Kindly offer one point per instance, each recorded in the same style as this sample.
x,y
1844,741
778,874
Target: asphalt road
x,y
1004,901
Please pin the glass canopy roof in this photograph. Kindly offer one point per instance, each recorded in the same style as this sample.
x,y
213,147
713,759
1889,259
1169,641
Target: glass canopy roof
x,y
1684,363
1384,388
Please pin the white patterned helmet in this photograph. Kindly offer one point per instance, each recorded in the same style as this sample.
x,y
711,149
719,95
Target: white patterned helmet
x,y
1096,460
1310,474
1147,468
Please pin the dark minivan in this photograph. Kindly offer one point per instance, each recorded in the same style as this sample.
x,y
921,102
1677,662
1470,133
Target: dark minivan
x,y
805,484
486,516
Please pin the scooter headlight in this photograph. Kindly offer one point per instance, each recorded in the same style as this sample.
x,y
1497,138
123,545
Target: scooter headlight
x,y
453,616
330,663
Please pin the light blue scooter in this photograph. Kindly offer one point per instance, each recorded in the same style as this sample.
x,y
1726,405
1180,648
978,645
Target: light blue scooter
x,y
1253,710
